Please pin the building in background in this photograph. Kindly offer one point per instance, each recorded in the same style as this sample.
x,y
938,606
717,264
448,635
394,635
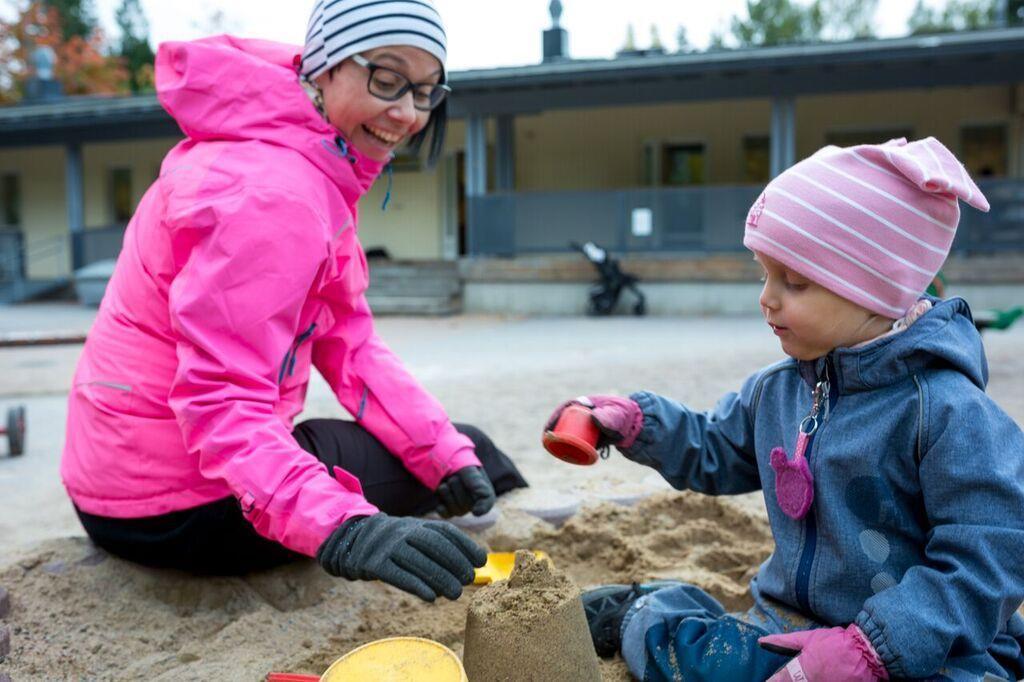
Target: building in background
x,y
653,155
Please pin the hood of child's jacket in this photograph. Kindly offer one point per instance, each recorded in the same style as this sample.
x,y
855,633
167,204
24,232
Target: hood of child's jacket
x,y
228,88
943,338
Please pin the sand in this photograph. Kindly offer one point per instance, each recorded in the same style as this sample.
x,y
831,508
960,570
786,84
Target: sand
x,y
529,627
78,613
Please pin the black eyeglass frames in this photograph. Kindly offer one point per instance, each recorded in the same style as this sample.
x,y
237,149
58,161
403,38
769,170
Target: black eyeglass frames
x,y
390,86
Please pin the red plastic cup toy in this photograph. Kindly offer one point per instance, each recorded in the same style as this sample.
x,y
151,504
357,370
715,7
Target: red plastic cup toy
x,y
574,438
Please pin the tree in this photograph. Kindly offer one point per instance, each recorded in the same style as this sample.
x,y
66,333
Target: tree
x,y
846,20
780,22
82,65
77,17
776,22
956,15
682,41
133,46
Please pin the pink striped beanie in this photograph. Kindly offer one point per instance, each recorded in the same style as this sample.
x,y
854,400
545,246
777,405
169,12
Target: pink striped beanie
x,y
871,223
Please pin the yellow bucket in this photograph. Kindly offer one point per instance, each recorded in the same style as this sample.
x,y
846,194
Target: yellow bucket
x,y
398,659
499,566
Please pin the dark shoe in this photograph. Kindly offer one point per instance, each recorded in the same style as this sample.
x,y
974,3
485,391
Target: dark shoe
x,y
606,606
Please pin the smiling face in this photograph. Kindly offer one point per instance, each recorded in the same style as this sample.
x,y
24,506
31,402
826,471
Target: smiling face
x,y
374,126
809,319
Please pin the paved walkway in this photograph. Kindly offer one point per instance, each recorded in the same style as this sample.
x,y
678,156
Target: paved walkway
x,y
504,374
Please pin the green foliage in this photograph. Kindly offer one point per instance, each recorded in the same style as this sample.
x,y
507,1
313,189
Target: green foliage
x,y
956,15
846,19
133,46
781,22
77,17
775,22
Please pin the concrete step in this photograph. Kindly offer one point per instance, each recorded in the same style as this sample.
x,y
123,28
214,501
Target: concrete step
x,y
414,305
23,290
415,288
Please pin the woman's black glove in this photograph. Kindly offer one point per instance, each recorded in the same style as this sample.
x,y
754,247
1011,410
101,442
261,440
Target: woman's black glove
x,y
467,490
425,558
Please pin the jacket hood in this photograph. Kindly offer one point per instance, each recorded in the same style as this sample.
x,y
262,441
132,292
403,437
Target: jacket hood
x,y
943,338
228,88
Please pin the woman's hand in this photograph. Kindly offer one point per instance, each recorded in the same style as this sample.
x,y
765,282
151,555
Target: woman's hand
x,y
424,558
620,420
467,490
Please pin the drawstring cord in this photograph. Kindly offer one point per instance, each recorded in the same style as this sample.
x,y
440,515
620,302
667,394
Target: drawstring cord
x,y
391,178
343,148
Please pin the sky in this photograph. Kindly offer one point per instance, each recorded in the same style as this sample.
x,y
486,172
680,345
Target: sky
x,y
481,33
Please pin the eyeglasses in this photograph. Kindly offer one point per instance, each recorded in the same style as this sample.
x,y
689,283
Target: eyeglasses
x,y
390,86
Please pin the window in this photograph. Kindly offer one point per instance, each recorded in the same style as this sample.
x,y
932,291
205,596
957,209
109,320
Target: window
x,y
850,138
983,150
10,201
756,158
120,195
682,164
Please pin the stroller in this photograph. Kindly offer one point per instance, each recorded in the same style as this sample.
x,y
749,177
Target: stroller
x,y
604,293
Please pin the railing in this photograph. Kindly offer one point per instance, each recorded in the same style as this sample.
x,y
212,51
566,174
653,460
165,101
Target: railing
x,y
999,230
96,244
49,259
697,219
12,250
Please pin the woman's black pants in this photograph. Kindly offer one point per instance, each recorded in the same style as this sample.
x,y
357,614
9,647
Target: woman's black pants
x,y
216,539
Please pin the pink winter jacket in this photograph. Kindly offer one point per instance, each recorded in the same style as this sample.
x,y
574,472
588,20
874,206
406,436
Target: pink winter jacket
x,y
240,269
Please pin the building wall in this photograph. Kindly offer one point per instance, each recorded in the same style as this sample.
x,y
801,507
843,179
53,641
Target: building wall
x,y
43,209
939,112
604,148
143,157
557,150
411,226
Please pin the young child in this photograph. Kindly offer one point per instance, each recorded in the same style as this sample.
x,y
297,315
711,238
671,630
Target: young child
x,y
894,485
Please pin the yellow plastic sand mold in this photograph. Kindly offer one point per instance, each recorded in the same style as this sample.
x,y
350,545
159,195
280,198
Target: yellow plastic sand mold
x,y
499,566
398,659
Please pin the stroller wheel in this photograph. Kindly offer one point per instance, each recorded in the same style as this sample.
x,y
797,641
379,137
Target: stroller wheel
x,y
602,303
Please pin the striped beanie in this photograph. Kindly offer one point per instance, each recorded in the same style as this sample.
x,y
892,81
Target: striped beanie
x,y
339,29
872,223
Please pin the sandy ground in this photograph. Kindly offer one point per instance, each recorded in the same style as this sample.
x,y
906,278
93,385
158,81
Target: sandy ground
x,y
80,614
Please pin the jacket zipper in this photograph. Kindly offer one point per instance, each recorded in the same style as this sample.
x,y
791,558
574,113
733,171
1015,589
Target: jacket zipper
x,y
820,408
288,365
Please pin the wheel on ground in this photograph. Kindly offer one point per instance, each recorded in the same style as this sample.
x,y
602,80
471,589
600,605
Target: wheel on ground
x,y
16,430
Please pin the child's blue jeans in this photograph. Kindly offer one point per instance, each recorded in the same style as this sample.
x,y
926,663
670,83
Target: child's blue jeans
x,y
683,633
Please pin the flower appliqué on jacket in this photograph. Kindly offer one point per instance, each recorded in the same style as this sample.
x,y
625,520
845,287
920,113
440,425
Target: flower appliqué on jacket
x,y
755,212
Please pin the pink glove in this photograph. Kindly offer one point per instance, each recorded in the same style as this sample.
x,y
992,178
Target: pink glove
x,y
826,655
619,419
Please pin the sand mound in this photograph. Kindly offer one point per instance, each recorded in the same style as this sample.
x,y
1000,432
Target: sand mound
x,y
78,613
529,627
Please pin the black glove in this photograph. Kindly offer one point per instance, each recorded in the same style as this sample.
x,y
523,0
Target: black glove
x,y
468,489
425,558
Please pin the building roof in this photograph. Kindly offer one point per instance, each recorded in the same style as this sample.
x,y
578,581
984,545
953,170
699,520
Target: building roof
x,y
952,59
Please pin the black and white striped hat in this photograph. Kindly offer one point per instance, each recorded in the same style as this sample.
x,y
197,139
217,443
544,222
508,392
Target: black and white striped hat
x,y
339,29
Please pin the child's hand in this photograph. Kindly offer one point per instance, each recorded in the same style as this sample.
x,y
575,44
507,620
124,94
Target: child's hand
x,y
620,420
826,655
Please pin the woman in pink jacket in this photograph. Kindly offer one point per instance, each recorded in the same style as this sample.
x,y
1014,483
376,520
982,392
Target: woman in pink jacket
x,y
240,270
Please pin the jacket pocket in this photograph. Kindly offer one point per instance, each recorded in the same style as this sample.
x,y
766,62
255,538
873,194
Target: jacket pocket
x,y
110,397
